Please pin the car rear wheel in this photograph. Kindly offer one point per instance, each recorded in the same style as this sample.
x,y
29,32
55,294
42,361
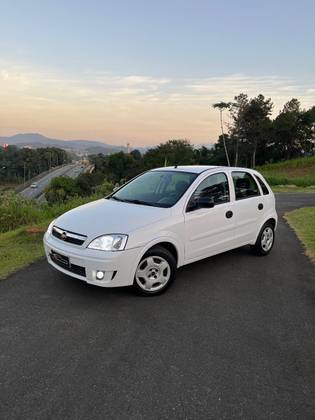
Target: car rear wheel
x,y
265,240
155,272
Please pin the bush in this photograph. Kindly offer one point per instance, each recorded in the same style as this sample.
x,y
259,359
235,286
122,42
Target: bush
x,y
16,211
104,189
61,189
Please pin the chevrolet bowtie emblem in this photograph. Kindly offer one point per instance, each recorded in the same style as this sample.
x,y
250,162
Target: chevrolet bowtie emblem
x,y
63,236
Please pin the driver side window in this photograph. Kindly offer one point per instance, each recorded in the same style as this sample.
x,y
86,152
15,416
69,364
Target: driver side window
x,y
214,189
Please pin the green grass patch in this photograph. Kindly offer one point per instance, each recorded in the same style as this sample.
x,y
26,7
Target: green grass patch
x,y
7,186
16,211
299,172
23,223
22,226
292,189
20,247
303,222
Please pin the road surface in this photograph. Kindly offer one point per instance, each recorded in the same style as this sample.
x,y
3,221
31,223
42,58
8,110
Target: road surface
x,y
233,338
72,170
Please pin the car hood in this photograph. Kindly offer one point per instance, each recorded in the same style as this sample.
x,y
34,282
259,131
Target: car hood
x,y
108,216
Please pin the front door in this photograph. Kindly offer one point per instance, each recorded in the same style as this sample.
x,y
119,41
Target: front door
x,y
209,231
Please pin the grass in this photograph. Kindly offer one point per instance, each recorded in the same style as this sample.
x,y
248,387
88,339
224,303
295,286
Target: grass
x,y
292,189
299,172
20,247
7,186
22,226
303,222
16,211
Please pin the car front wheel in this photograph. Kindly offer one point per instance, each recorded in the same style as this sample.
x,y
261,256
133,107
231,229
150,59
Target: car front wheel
x,y
155,272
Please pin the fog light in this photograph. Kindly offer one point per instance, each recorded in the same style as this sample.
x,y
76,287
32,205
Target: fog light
x,y
100,275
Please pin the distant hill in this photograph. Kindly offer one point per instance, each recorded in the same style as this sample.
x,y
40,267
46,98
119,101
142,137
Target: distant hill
x,y
36,140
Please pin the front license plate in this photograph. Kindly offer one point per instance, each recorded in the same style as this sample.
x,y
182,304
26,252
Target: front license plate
x,y
59,259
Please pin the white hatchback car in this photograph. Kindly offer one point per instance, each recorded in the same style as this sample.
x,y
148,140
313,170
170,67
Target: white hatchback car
x,y
161,220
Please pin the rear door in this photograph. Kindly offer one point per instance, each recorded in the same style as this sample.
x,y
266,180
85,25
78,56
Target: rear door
x,y
249,207
209,231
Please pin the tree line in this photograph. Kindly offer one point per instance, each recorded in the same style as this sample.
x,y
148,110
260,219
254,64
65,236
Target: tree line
x,y
251,137
23,164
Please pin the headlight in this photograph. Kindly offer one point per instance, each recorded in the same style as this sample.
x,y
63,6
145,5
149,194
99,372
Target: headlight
x,y
49,229
109,242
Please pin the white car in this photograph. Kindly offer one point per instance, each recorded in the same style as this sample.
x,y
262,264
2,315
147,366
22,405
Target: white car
x,y
161,220
34,185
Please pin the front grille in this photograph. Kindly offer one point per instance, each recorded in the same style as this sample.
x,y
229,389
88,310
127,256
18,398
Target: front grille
x,y
68,236
64,263
77,269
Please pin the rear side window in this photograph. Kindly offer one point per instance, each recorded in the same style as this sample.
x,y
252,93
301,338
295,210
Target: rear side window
x,y
245,185
262,184
215,188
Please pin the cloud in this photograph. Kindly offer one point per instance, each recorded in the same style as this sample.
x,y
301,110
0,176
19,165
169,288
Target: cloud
x,y
132,107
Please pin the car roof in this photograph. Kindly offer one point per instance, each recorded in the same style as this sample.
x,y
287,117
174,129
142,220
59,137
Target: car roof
x,y
198,169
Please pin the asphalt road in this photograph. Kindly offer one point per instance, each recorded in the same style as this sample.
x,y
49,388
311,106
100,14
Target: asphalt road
x,y
234,338
71,170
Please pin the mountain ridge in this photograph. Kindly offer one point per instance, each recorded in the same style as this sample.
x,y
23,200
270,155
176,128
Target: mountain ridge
x,y
36,140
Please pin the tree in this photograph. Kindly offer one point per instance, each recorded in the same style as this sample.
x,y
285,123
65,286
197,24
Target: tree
x,y
251,126
173,152
293,130
27,163
237,135
221,106
204,156
136,154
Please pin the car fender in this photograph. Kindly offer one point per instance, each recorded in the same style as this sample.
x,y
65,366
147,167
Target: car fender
x,y
171,238
270,215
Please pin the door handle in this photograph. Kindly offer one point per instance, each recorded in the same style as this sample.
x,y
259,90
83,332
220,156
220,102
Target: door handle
x,y
260,206
229,214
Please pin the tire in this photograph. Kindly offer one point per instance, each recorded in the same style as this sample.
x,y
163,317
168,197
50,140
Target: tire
x,y
265,240
155,272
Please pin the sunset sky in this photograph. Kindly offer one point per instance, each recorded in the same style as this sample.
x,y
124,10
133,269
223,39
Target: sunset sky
x,y
146,71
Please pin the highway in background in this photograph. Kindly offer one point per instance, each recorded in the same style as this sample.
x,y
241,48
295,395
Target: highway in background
x,y
71,170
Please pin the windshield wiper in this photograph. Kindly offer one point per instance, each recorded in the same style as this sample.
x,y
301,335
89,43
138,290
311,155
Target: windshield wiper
x,y
145,203
115,198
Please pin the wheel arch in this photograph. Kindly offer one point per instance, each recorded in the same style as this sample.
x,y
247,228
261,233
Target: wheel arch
x,y
168,243
272,219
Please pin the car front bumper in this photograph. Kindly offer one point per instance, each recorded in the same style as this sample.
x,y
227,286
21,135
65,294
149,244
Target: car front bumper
x,y
119,267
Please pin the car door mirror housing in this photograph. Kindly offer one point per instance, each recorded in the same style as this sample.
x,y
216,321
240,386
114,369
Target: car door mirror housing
x,y
200,203
205,203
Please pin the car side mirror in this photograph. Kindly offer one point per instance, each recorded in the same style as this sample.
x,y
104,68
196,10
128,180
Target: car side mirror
x,y
200,203
205,203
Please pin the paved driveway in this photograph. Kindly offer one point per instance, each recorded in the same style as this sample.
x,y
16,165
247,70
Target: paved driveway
x,y
233,338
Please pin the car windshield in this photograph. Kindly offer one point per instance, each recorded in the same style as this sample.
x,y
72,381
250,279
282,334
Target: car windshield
x,y
155,188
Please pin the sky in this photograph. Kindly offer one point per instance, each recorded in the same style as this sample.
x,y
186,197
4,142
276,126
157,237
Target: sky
x,y
146,71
